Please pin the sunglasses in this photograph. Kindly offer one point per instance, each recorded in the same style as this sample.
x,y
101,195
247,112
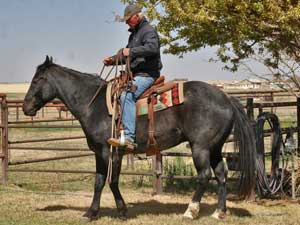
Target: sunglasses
x,y
132,18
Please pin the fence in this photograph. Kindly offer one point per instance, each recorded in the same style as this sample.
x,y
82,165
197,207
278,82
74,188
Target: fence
x,y
4,137
20,123
157,161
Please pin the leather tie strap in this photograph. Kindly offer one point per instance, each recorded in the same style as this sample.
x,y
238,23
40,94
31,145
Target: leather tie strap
x,y
151,143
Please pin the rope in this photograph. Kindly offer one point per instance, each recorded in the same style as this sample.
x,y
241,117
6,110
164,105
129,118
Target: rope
x,y
269,185
110,159
116,96
101,84
109,170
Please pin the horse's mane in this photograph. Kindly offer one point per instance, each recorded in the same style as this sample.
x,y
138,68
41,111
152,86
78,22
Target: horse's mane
x,y
50,65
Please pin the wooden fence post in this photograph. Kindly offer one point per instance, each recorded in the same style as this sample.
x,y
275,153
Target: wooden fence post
x,y
260,109
4,138
17,113
59,113
250,113
157,174
250,108
130,162
298,125
272,99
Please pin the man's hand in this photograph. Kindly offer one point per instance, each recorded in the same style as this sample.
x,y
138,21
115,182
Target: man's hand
x,y
107,61
126,52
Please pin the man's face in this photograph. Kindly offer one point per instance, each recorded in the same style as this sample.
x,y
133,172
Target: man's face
x,y
133,20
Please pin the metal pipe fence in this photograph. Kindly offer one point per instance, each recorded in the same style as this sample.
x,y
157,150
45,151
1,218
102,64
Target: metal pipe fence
x,y
157,161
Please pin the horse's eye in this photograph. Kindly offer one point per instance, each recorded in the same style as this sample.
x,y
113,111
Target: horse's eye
x,y
37,80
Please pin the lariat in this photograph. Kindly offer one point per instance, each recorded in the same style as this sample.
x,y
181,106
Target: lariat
x,y
119,85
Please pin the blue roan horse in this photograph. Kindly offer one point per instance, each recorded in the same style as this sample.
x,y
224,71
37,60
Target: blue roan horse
x,y
205,120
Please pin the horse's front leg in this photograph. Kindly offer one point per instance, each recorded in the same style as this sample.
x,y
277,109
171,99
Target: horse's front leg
x,y
114,185
100,178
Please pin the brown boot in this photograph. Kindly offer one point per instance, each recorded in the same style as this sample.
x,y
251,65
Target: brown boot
x,y
129,145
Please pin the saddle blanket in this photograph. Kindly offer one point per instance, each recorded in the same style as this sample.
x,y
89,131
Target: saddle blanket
x,y
163,100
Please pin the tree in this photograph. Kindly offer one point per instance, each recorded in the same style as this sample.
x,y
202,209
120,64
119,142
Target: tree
x,y
263,30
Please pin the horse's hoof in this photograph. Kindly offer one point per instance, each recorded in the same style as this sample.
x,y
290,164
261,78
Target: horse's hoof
x,y
122,215
192,211
92,214
219,215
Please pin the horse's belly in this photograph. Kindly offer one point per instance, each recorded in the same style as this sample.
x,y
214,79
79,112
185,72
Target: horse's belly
x,y
168,129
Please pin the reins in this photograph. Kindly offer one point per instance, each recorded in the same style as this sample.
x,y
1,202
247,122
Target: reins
x,y
116,94
119,55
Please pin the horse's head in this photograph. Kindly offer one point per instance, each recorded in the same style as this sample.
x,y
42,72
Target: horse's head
x,y
40,91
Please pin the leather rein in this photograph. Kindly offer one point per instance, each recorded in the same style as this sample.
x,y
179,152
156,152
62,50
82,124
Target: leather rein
x,y
118,57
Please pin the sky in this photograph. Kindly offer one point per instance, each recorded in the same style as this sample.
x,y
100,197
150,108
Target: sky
x,y
78,34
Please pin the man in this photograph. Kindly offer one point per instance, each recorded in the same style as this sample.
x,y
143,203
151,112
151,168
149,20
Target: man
x,y
143,49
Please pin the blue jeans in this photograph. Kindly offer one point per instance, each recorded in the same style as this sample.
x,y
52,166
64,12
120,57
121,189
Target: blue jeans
x,y
129,99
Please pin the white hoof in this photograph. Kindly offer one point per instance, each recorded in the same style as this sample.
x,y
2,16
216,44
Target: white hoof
x,y
192,211
219,215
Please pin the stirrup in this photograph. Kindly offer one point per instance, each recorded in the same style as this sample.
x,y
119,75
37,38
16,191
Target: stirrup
x,y
116,143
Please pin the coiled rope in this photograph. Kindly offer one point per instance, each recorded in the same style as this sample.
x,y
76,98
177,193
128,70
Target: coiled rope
x,y
270,185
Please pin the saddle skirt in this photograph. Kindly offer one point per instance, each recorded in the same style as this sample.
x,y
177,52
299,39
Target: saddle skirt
x,y
166,95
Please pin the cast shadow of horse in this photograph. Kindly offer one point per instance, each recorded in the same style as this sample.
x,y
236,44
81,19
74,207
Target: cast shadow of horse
x,y
151,207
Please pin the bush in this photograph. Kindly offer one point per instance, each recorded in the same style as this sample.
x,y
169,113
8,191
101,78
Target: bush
x,y
178,167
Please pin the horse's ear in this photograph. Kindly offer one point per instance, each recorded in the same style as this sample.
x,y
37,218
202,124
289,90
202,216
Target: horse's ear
x,y
51,59
47,60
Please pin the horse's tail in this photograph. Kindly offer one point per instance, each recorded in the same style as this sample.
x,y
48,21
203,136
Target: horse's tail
x,y
245,140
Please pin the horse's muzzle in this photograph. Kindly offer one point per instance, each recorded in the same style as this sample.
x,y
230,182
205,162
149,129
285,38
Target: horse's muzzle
x,y
29,109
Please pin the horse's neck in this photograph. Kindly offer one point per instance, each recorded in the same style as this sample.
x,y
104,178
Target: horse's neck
x,y
75,92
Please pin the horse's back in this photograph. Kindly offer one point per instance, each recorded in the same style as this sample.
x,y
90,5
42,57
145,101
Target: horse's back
x,y
207,112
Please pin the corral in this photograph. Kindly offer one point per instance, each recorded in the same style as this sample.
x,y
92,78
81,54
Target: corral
x,y
40,186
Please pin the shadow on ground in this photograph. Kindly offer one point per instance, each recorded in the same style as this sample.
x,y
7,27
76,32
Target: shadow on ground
x,y
151,207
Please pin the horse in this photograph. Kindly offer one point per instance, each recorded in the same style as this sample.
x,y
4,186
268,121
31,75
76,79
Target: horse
x,y
205,120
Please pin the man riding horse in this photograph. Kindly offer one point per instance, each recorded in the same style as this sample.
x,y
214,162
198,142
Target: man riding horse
x,y
143,49
205,120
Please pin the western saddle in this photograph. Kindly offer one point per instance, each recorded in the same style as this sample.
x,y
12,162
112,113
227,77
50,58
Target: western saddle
x,y
158,87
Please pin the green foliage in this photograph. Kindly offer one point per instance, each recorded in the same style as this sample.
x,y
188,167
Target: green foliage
x,y
240,29
138,182
178,167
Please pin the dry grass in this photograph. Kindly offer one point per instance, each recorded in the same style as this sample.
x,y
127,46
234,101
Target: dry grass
x,y
19,206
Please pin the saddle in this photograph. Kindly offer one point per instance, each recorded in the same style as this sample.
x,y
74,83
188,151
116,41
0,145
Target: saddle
x,y
158,84
159,96
157,88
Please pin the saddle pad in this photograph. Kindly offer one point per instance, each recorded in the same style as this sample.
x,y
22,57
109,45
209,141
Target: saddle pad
x,y
164,100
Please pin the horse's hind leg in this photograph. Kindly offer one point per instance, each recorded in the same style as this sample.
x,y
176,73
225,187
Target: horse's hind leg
x,y
114,186
220,172
201,158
